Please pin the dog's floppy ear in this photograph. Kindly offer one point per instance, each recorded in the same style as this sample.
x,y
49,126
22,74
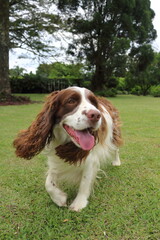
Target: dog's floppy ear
x,y
31,141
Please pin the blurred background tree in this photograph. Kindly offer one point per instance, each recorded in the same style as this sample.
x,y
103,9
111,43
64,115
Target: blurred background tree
x,y
105,31
24,24
143,71
110,42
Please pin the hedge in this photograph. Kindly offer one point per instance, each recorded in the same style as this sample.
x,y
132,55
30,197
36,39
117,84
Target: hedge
x,y
37,84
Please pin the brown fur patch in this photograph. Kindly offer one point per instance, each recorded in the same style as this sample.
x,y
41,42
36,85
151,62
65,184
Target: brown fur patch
x,y
102,131
117,138
70,153
31,141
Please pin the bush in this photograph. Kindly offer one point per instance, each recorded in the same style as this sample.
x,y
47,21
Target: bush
x,y
112,92
112,83
29,83
155,91
124,92
86,84
121,84
136,91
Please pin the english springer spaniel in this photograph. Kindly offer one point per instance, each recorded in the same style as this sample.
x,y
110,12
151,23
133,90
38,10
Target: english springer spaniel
x,y
78,132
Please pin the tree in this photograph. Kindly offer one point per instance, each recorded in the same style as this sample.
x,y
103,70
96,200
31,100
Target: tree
x,y
155,69
23,23
143,69
29,23
16,72
57,70
4,43
105,30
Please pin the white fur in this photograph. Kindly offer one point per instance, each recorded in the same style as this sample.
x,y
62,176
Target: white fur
x,y
85,173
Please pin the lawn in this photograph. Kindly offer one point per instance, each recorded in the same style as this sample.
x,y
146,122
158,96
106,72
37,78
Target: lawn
x,y
126,201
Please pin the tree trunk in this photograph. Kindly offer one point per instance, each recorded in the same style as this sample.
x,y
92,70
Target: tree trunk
x,y
4,47
98,80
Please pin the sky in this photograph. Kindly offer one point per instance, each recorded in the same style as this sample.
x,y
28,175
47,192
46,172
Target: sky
x,y
31,63
155,5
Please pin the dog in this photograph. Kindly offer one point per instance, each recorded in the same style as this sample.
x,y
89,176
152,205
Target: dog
x,y
78,132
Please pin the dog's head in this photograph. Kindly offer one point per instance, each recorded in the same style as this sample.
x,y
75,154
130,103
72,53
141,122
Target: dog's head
x,y
78,115
69,115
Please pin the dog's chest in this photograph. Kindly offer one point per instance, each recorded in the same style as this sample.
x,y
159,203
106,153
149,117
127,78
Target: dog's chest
x,y
64,171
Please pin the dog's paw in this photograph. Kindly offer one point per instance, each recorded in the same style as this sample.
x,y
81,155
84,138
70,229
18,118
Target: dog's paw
x,y
78,204
116,163
60,199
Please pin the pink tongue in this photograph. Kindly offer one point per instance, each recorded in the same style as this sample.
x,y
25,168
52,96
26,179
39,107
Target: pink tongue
x,y
83,138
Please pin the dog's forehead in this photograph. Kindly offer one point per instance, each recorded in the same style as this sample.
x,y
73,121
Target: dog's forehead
x,y
67,93
84,92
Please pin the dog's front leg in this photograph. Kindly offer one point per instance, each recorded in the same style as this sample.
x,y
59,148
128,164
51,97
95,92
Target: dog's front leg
x,y
57,195
87,180
117,161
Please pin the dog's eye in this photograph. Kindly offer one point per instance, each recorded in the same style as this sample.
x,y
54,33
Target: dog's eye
x,y
71,101
93,100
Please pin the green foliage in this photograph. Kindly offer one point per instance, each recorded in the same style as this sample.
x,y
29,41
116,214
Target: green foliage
x,y
136,91
49,77
143,69
86,84
29,22
104,32
121,84
69,71
25,24
16,72
113,82
107,30
155,91
110,92
154,69
57,70
29,83
143,56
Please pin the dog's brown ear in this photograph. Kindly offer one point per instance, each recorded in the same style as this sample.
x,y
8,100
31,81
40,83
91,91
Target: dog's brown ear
x,y
117,137
31,141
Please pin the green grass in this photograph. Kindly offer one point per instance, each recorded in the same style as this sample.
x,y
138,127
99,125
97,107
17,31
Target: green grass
x,y
126,202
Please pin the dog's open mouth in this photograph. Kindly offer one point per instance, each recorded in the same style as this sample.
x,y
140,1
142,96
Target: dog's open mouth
x,y
83,138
